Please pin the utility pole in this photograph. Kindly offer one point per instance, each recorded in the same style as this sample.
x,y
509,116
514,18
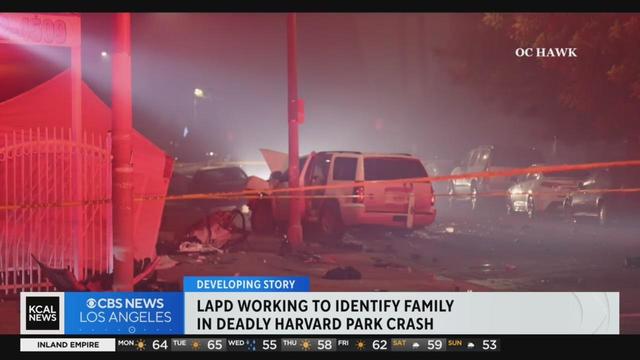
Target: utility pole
x,y
294,233
122,155
78,251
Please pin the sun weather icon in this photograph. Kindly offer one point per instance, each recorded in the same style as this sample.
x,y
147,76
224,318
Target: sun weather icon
x,y
140,345
306,345
195,345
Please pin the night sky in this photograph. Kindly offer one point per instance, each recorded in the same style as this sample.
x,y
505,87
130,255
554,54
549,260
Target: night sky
x,y
370,82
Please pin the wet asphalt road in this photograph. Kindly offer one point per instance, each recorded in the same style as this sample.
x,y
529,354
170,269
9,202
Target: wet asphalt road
x,y
486,248
514,253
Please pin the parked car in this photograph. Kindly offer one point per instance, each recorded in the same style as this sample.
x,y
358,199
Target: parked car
x,y
489,158
592,200
535,193
181,217
404,205
439,168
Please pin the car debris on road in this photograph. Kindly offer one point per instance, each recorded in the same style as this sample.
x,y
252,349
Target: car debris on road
x,y
343,273
196,247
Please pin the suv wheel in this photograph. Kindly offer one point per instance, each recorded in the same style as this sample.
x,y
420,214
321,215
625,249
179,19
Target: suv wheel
x,y
331,225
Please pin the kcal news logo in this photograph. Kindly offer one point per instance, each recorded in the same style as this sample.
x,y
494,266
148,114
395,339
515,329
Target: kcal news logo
x,y
41,313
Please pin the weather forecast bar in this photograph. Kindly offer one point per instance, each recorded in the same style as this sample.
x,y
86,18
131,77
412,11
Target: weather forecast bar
x,y
262,344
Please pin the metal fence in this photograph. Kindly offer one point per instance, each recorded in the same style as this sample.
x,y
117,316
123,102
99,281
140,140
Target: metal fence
x,y
55,193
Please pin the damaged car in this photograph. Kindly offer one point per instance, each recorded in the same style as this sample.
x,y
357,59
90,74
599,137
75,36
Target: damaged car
x,y
206,224
607,195
537,193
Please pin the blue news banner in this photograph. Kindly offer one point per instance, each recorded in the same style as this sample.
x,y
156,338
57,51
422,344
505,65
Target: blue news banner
x,y
246,284
158,313
114,313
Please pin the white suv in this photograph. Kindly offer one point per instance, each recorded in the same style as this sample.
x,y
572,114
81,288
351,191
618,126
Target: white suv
x,y
405,205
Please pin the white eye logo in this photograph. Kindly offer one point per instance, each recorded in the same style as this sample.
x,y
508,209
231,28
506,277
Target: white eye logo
x,y
91,303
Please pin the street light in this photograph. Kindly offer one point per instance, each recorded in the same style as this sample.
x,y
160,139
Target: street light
x,y
197,94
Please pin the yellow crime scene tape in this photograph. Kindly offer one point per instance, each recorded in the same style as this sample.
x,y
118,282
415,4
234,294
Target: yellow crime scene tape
x,y
299,192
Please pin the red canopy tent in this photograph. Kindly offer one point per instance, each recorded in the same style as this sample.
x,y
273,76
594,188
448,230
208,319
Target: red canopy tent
x,y
48,105
73,113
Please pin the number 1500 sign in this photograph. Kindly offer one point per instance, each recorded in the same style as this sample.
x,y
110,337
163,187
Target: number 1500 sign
x,y
40,29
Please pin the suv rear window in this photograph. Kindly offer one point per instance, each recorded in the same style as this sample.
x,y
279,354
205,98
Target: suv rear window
x,y
388,168
344,168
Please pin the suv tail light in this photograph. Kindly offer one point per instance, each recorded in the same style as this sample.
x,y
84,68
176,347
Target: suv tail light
x,y
433,195
358,193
